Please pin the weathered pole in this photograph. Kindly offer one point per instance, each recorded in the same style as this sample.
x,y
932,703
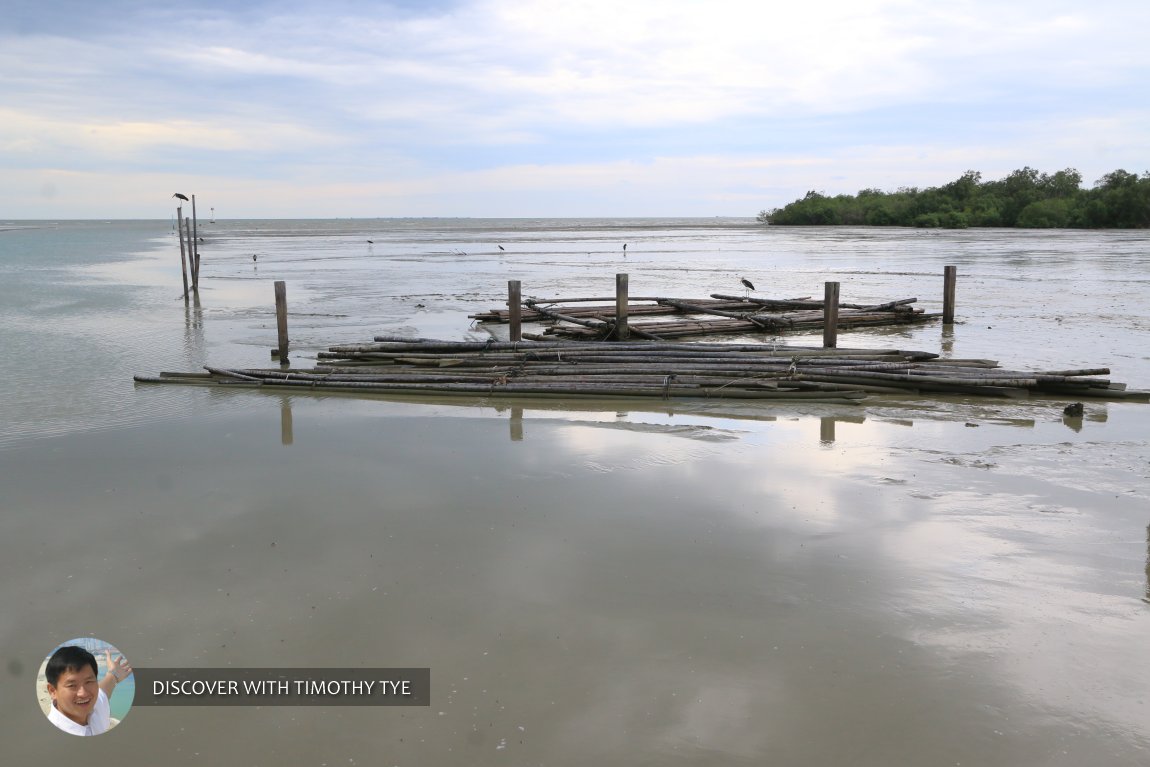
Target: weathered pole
x,y
831,315
183,256
281,320
191,257
622,331
949,278
196,242
515,310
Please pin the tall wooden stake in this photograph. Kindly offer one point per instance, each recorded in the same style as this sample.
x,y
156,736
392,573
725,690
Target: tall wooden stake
x,y
831,315
196,242
281,320
515,310
191,256
183,256
622,331
949,278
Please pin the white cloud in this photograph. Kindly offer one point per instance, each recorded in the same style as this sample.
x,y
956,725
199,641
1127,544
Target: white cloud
x,y
639,105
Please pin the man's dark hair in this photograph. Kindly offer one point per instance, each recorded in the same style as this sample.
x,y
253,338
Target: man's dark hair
x,y
69,658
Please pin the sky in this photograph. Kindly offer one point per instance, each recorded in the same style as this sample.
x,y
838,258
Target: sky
x,y
526,108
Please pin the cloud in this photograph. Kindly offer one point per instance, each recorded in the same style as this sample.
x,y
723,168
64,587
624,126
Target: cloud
x,y
597,95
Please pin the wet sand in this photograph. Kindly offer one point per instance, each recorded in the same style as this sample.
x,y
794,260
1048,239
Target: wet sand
x,y
915,581
617,588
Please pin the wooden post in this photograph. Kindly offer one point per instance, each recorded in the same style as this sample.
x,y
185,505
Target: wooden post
x,y
191,255
515,309
831,315
281,320
195,242
622,332
183,257
827,430
949,278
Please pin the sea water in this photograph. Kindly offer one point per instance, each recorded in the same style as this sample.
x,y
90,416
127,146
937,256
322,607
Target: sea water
x,y
914,580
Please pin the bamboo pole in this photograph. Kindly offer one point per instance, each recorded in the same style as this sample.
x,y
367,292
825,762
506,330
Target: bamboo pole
x,y
901,304
786,303
281,320
622,331
501,314
761,349
831,314
698,309
949,278
514,309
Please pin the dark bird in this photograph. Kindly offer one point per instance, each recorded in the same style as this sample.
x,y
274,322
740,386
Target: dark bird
x,y
746,283
180,196
499,246
371,242
1074,410
254,257
624,247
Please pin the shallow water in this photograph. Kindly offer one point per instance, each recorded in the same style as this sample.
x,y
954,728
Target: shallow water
x,y
908,582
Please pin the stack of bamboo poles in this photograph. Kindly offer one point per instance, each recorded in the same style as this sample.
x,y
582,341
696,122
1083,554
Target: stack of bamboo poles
x,y
721,314
639,306
643,369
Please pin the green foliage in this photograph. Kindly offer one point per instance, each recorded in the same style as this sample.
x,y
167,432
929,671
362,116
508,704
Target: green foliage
x,y
1024,198
1045,214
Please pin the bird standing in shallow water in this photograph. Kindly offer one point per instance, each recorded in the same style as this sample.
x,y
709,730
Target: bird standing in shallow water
x,y
747,284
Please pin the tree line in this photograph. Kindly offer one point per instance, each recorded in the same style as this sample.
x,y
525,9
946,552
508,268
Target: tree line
x,y
1025,198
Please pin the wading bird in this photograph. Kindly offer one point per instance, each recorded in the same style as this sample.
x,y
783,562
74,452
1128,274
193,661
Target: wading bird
x,y
747,284
180,196
499,246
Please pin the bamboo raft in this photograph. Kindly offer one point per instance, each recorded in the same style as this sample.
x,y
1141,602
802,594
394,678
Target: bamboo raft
x,y
720,314
393,365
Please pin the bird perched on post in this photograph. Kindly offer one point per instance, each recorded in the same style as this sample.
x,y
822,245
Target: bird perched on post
x,y
180,196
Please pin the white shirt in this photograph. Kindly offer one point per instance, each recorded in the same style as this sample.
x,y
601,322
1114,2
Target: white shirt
x,y
98,721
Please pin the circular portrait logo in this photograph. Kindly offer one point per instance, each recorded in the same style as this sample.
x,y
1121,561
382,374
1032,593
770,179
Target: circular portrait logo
x,y
85,686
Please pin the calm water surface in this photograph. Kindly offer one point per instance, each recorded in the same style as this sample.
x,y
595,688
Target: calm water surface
x,y
907,582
